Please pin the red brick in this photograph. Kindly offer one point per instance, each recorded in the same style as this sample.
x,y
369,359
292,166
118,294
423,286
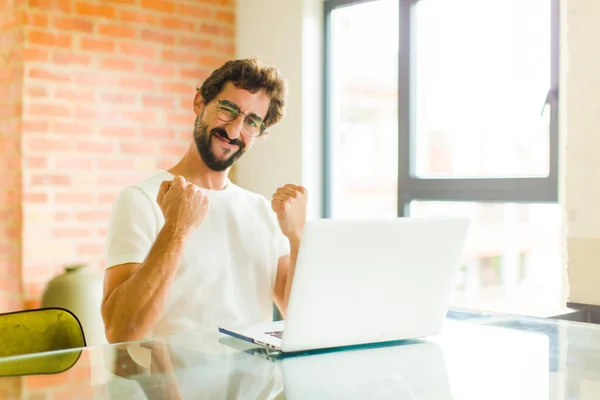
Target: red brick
x,y
121,98
123,164
37,91
35,126
224,48
72,233
44,38
226,16
96,147
173,150
94,114
107,198
62,216
70,128
186,104
159,37
181,119
216,29
159,70
118,131
85,7
197,12
70,163
177,88
216,61
48,110
94,215
52,5
138,148
46,381
77,24
50,179
85,114
199,74
74,198
96,79
39,198
37,162
178,24
135,16
71,59
132,49
199,44
37,19
10,162
158,102
139,116
117,31
117,181
33,55
46,75
159,5
141,84
97,45
76,95
117,64
180,56
49,145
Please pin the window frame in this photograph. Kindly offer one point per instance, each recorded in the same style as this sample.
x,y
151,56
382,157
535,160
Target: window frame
x,y
410,187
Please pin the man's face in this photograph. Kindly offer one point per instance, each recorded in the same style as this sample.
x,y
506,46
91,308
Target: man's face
x,y
221,143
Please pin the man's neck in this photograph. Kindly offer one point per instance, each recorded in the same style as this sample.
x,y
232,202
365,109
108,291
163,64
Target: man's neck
x,y
194,170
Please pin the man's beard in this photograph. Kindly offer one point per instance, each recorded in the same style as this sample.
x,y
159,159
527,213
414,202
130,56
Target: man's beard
x,y
203,141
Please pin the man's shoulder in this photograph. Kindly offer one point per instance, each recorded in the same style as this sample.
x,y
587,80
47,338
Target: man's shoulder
x,y
144,189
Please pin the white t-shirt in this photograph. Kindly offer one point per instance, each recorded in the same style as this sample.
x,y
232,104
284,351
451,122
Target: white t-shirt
x,y
229,265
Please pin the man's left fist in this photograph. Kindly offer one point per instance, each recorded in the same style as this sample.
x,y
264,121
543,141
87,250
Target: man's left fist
x,y
289,203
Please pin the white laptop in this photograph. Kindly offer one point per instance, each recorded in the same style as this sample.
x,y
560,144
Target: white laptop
x,y
364,281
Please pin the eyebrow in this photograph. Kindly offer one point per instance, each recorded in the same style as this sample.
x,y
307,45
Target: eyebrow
x,y
253,115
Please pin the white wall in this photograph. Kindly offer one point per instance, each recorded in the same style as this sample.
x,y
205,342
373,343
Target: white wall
x,y
288,34
581,164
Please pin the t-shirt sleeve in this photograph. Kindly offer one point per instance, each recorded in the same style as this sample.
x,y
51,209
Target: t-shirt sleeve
x,y
131,229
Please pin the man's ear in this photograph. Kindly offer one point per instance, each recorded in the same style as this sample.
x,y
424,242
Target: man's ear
x,y
198,103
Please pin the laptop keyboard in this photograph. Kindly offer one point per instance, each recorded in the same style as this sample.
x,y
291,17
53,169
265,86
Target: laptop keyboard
x,y
277,334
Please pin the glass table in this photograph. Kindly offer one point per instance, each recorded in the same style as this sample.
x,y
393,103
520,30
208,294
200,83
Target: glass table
x,y
477,356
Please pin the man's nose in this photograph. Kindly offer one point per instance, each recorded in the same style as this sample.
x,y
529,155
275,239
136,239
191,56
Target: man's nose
x,y
234,128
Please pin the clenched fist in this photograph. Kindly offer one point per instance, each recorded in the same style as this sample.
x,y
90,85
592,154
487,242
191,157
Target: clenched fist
x,y
183,204
289,203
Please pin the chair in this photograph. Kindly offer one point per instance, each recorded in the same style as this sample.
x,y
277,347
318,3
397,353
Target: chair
x,y
37,331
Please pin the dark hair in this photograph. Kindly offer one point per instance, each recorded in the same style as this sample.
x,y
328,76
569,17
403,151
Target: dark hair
x,y
251,75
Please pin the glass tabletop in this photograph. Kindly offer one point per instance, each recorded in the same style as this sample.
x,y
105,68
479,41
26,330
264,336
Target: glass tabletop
x,y
477,356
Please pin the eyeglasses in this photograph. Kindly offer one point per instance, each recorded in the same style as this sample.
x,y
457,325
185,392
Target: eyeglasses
x,y
253,125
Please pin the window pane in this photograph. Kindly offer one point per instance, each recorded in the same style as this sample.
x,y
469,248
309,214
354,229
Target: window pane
x,y
512,255
482,74
364,126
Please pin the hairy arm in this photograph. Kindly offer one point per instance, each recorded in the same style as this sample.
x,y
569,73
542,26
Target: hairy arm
x,y
285,275
134,293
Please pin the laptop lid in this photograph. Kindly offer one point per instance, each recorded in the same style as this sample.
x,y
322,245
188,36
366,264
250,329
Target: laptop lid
x,y
372,280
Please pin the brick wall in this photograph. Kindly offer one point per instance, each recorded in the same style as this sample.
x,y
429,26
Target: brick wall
x,y
107,99
11,80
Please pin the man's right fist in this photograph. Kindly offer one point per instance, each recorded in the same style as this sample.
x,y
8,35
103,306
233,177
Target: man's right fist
x,y
183,204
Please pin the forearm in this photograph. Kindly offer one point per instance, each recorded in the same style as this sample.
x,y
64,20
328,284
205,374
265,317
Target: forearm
x,y
294,246
133,307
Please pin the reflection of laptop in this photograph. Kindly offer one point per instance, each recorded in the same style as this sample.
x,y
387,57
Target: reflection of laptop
x,y
407,371
360,281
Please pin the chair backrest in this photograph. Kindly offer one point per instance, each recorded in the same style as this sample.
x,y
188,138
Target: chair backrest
x,y
37,331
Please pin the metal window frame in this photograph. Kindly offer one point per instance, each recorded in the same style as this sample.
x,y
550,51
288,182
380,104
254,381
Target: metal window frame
x,y
513,190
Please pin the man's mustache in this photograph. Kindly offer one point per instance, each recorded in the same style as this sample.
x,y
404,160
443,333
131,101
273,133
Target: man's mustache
x,y
223,134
